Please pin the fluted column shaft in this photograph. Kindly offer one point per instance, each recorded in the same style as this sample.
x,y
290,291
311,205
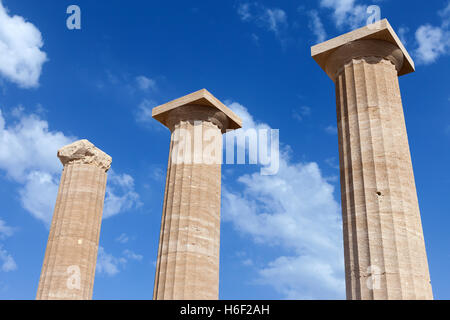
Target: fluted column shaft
x,y
69,265
188,257
385,255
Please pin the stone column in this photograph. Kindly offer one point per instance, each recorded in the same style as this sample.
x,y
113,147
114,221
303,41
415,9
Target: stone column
x,y
188,256
69,264
385,255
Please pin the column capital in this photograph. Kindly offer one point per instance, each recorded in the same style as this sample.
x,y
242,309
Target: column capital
x,y
200,105
84,152
377,40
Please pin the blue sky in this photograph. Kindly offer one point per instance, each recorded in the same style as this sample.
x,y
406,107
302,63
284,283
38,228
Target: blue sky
x,y
281,235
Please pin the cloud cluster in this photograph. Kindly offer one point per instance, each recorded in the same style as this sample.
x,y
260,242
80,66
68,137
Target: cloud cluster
x,y
294,210
28,156
120,194
433,41
107,263
21,58
346,13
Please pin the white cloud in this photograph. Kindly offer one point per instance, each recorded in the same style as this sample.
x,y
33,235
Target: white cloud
x,y
28,145
239,135
110,265
317,279
445,15
144,112
331,130
7,261
272,19
247,262
402,32
333,163
107,263
38,195
21,58
346,12
300,113
296,211
120,194
145,83
132,256
28,156
433,41
316,26
5,230
123,238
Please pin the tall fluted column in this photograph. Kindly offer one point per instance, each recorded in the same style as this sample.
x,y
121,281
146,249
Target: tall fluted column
x,y
385,255
188,256
69,265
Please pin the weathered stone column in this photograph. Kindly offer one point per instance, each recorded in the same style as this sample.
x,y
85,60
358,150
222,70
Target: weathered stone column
x,y
69,264
188,256
385,255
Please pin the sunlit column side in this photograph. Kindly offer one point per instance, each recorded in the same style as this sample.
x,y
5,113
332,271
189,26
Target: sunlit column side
x,y
69,265
188,256
385,256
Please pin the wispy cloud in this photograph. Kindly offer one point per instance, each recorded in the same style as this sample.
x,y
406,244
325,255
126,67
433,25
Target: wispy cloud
x,y
402,34
145,83
300,113
144,112
123,238
5,230
272,19
110,265
132,255
7,262
331,129
346,13
316,26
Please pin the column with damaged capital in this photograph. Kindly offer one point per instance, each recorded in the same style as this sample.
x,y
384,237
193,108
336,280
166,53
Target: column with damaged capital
x,y
70,258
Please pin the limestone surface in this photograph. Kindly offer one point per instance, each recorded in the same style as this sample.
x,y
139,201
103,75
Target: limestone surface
x,y
385,256
84,152
70,258
188,256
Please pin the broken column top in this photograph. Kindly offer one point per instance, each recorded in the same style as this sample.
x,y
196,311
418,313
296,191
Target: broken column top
x,y
199,98
84,152
383,31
